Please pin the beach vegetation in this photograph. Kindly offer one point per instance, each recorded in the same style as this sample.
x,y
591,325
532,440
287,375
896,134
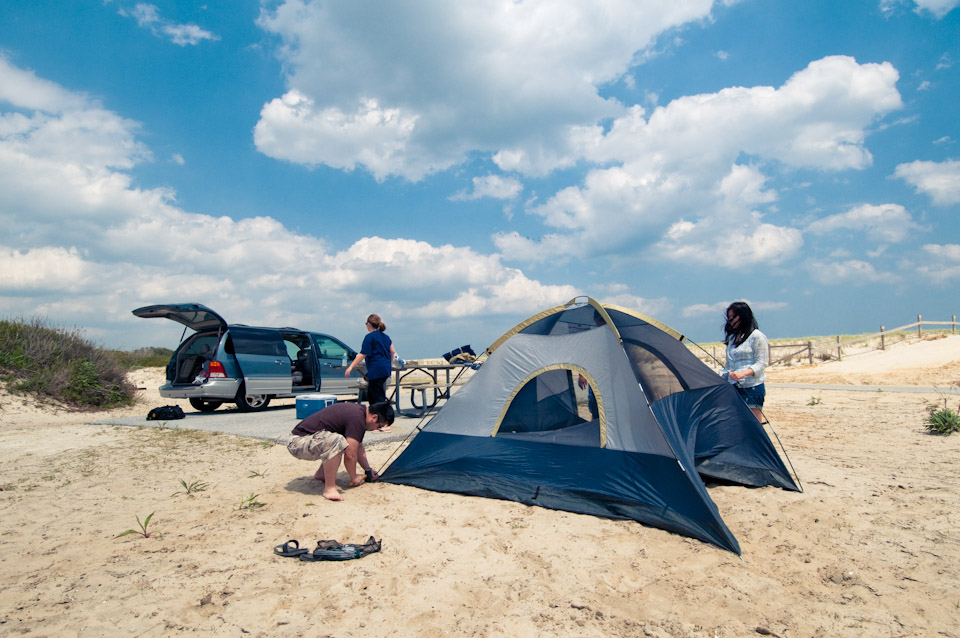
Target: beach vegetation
x,y
943,420
250,502
143,528
191,488
257,474
152,357
52,363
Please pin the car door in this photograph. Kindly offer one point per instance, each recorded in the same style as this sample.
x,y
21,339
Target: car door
x,y
300,349
331,354
263,360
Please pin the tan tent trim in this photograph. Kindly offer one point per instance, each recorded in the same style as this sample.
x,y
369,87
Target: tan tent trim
x,y
603,313
670,331
550,311
523,324
559,366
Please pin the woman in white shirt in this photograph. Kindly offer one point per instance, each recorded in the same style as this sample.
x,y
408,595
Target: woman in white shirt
x,y
748,353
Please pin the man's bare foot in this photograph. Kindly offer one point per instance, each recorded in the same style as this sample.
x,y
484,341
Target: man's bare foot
x,y
331,494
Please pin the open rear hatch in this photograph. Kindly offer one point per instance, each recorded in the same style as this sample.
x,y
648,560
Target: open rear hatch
x,y
193,315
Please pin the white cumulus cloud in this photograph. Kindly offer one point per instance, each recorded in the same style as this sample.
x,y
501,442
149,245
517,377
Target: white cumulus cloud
x,y
494,186
886,223
938,180
84,243
182,34
938,8
494,76
681,162
946,265
293,128
852,271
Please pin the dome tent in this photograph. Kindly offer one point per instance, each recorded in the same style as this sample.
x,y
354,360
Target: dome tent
x,y
656,416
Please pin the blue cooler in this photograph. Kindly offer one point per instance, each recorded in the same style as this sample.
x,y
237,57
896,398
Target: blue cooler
x,y
307,404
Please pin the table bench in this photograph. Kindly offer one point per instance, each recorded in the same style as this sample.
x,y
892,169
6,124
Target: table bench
x,y
440,389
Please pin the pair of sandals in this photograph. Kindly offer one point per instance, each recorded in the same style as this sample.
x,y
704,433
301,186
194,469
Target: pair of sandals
x,y
327,550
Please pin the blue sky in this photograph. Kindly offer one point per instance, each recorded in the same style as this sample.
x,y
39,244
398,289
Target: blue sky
x,y
457,167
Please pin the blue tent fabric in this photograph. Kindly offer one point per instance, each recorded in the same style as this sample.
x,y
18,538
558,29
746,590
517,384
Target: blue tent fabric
x,y
648,488
662,420
724,438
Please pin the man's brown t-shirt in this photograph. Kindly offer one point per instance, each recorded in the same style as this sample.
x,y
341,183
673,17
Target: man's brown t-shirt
x,y
348,419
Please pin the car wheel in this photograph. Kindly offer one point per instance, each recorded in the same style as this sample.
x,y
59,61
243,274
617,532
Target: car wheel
x,y
251,402
205,405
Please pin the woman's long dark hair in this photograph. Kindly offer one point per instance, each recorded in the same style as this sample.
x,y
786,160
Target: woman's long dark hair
x,y
747,324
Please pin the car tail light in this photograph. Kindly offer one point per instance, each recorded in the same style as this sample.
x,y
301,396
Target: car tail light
x,y
216,371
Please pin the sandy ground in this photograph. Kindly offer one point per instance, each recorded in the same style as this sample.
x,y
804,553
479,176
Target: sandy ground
x,y
870,548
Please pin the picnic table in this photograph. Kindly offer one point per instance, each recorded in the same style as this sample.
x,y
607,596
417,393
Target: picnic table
x,y
425,379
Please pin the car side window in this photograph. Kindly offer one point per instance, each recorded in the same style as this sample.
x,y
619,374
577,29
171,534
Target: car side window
x,y
330,348
256,341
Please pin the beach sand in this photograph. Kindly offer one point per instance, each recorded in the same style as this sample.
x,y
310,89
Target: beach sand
x,y
870,548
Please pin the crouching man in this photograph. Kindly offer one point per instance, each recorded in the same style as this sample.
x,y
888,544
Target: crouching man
x,y
336,432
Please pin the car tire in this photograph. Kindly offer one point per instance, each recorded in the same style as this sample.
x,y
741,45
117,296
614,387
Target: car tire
x,y
251,402
205,405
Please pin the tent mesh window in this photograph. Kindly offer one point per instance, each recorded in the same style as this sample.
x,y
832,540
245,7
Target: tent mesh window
x,y
546,410
566,322
656,379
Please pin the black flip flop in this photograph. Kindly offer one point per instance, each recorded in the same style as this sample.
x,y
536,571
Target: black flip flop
x,y
344,552
290,549
333,550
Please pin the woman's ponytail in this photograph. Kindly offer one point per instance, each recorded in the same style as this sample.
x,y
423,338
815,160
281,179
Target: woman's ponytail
x,y
374,320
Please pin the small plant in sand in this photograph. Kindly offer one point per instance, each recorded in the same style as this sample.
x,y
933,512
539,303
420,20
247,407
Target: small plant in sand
x,y
143,529
257,474
250,502
943,420
815,401
191,488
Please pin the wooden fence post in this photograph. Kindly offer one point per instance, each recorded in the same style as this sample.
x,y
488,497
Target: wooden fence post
x,y
883,346
810,352
953,328
839,356
919,327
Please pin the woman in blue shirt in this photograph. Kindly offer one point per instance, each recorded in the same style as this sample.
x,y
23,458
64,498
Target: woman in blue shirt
x,y
378,351
748,354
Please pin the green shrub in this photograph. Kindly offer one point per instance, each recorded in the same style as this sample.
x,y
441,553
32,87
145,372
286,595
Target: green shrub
x,y
59,364
943,421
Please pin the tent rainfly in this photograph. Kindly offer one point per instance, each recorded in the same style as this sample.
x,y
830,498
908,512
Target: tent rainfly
x,y
595,409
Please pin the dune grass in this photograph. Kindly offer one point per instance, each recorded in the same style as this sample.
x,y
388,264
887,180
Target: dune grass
x,y
56,364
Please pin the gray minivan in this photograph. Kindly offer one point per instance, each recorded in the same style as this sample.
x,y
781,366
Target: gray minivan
x,y
234,363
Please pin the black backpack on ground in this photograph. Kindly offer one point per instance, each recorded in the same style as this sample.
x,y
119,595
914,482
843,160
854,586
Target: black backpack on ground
x,y
165,413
